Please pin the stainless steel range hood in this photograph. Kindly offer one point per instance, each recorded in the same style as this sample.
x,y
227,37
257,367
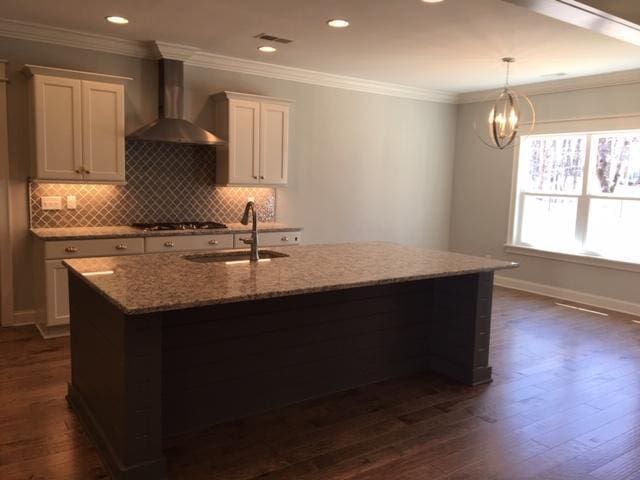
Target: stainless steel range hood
x,y
170,126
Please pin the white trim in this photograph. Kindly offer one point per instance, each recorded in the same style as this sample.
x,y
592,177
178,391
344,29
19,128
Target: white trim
x,y
6,258
24,317
229,95
282,72
73,38
173,51
590,260
599,301
195,57
625,77
31,70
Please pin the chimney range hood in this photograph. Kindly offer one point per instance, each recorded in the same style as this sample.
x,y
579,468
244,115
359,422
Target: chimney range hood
x,y
170,126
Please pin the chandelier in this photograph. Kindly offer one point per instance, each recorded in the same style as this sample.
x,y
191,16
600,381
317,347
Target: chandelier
x,y
505,117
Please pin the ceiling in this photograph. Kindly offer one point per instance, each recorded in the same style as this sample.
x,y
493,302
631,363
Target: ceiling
x,y
454,46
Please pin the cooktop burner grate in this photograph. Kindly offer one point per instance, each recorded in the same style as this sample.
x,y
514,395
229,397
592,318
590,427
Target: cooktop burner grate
x,y
153,227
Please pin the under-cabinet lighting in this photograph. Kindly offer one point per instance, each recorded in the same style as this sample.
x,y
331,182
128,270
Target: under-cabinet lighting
x,y
117,19
573,307
240,262
267,49
101,272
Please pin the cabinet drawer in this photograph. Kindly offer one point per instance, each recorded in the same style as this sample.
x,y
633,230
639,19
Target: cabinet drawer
x,y
270,239
93,248
182,243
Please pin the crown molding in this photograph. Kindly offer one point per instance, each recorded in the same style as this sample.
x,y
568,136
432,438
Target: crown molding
x,y
294,74
625,77
173,51
72,38
195,57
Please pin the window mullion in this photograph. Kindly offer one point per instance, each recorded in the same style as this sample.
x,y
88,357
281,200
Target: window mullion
x,y
582,216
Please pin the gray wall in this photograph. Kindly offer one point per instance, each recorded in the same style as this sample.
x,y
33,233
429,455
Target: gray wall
x,y
482,193
362,166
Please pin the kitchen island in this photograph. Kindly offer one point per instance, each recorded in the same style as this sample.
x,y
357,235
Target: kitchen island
x,y
166,344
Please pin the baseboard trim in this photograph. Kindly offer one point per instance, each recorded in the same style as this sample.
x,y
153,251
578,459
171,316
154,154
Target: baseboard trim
x,y
53,332
599,301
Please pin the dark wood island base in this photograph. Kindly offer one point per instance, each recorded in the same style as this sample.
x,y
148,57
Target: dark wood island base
x,y
139,380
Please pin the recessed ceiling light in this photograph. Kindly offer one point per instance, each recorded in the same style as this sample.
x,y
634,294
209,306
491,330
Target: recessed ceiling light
x,y
338,23
267,48
432,1
117,20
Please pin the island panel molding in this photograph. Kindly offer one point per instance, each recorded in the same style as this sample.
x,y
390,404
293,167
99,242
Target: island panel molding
x,y
165,183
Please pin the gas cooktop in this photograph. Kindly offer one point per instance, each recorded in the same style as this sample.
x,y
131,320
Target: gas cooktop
x,y
154,227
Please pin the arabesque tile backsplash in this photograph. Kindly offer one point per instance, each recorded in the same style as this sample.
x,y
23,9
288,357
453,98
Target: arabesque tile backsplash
x,y
165,183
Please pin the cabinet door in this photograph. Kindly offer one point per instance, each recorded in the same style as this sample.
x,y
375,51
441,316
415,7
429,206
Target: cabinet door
x,y
274,143
57,114
103,131
244,139
57,293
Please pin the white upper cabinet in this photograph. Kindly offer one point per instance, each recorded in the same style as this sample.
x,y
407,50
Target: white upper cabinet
x,y
274,143
57,115
103,131
244,141
256,129
78,125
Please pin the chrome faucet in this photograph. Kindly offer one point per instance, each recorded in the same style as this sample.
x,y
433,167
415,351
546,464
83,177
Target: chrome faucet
x,y
254,257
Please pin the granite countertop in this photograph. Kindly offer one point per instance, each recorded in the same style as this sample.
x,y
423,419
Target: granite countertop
x,y
167,281
91,233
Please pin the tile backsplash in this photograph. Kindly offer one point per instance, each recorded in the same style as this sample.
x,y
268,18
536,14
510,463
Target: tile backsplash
x,y
165,183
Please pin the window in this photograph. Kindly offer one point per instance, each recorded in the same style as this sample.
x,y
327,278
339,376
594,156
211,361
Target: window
x,y
579,193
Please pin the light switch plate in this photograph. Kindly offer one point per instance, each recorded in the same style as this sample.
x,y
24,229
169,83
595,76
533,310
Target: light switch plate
x,y
51,203
72,202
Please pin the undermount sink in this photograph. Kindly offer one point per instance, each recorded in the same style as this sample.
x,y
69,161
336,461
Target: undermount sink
x,y
242,256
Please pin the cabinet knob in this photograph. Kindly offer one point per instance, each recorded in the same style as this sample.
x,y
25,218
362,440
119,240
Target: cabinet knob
x,y
87,171
71,250
255,176
169,244
285,239
213,242
261,177
121,246
79,170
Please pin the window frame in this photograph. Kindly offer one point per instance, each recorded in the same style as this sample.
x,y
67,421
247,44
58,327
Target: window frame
x,y
584,198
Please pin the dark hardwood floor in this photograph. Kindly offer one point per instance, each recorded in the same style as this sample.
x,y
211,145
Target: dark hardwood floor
x,y
564,404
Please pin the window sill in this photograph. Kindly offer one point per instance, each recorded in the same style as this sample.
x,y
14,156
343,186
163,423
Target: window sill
x,y
574,258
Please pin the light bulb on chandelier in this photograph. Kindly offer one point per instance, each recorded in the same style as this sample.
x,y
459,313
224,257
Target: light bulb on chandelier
x,y
506,116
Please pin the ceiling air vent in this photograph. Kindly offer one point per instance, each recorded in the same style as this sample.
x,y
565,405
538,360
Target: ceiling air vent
x,y
272,38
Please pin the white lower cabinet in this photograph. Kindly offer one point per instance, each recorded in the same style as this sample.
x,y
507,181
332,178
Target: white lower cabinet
x,y
185,243
57,293
269,239
52,278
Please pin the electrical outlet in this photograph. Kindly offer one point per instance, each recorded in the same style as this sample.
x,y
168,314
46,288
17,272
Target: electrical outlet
x,y
72,202
51,203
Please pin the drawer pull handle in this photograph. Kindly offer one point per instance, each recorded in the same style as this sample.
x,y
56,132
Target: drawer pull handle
x,y
213,242
121,246
71,250
169,244
285,239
